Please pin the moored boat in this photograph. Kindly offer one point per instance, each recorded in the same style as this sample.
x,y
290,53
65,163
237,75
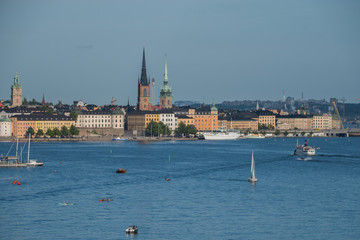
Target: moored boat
x,y
221,135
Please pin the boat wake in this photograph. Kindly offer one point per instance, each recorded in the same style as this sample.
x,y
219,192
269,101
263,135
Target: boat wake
x,y
304,159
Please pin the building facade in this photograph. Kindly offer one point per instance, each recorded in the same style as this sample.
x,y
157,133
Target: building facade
x,y
320,122
16,92
102,122
204,119
21,123
5,127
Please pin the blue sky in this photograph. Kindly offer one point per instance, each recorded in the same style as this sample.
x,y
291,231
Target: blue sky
x,y
217,50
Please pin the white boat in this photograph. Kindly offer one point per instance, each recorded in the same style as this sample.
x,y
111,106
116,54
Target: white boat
x,y
132,230
304,150
32,162
119,139
222,135
255,136
252,178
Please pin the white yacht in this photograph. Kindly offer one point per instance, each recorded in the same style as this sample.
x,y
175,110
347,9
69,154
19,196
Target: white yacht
x,y
222,135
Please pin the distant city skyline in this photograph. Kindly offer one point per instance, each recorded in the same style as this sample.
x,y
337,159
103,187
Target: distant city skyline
x,y
216,50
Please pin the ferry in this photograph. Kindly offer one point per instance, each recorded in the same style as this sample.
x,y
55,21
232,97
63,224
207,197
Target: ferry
x,y
304,150
255,136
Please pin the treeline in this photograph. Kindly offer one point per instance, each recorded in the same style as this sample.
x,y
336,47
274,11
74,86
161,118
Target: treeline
x,y
63,132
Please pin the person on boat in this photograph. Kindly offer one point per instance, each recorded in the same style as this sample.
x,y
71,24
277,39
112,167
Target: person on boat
x,y
305,143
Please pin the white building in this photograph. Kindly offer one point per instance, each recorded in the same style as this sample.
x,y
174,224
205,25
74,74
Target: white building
x,y
101,119
169,119
5,127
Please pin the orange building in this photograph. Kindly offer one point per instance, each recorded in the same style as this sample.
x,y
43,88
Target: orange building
x,y
21,123
205,120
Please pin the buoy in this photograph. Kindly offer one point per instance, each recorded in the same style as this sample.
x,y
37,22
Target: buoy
x,y
16,182
54,170
167,179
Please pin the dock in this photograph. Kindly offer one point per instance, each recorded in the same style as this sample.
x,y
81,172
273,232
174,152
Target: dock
x,y
11,161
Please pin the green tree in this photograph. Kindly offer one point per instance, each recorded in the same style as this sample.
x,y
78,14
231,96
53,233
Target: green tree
x,y
30,131
74,115
302,133
56,132
286,133
65,131
311,133
182,129
191,129
33,102
74,130
49,132
25,101
277,133
152,129
39,133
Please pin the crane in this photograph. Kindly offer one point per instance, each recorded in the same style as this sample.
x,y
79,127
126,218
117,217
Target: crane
x,y
113,100
337,113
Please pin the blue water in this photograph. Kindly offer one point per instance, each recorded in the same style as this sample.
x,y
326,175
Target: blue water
x,y
208,196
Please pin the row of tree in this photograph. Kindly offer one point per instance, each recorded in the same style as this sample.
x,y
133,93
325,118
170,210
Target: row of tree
x,y
63,132
159,128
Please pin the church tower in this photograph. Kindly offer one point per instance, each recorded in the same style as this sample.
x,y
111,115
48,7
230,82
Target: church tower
x,y
16,92
144,100
165,92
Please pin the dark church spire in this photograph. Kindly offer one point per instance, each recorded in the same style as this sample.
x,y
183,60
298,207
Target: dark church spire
x,y
143,80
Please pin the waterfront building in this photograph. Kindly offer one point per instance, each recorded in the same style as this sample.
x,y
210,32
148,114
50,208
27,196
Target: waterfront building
x,y
136,122
266,118
241,121
5,127
165,92
294,122
205,119
169,119
102,122
21,123
144,98
16,92
323,121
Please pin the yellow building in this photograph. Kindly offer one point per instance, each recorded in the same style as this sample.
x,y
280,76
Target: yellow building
x,y
185,119
21,123
151,116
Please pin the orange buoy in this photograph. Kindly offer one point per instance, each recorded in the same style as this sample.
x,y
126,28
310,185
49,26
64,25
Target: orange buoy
x,y
167,179
16,182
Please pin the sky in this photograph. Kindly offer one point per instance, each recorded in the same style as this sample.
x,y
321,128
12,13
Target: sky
x,y
217,50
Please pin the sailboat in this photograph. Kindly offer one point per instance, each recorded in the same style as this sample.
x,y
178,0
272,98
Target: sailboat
x,y
252,178
32,163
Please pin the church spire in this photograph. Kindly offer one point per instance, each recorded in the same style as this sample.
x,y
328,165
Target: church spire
x,y
166,74
143,78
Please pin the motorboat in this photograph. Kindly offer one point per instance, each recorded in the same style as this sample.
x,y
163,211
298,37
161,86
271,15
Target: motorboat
x,y
132,230
121,170
119,139
255,136
34,163
304,150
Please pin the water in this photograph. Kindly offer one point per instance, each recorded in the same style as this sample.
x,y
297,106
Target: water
x,y
208,196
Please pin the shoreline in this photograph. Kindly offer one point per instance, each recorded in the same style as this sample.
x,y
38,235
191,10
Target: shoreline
x,y
134,139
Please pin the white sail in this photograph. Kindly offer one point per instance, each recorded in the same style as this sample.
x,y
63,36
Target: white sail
x,y
253,175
